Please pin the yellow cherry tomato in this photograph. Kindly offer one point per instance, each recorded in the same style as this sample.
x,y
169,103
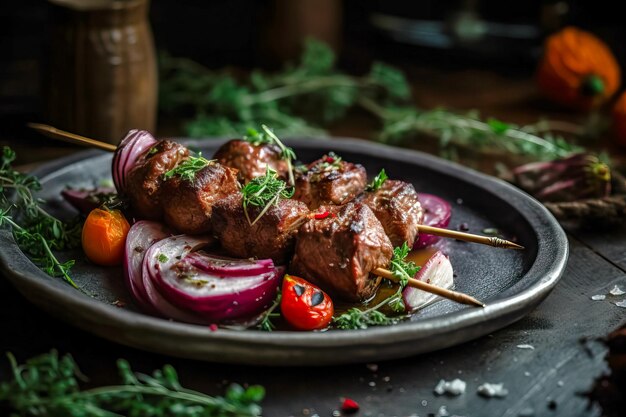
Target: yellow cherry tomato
x,y
104,236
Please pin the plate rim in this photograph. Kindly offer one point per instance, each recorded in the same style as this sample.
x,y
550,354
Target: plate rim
x,y
29,281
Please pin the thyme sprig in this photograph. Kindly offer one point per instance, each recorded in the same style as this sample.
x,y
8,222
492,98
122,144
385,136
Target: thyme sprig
x,y
378,181
264,191
301,98
266,321
269,137
355,318
37,232
188,169
49,385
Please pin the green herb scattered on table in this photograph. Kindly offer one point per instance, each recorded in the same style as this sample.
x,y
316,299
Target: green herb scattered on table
x,y
300,99
36,231
49,385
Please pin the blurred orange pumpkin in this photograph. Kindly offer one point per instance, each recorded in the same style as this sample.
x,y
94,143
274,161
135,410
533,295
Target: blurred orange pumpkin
x,y
619,120
578,70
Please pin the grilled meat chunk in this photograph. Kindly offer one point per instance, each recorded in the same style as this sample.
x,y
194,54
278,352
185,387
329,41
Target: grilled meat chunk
x,y
145,179
330,180
251,160
397,207
272,236
188,205
338,252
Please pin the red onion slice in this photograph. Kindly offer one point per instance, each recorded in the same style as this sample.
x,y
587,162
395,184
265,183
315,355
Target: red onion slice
x,y
86,200
437,213
229,267
215,297
437,271
141,236
128,151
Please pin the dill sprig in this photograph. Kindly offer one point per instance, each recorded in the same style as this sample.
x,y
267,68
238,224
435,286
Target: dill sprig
x,y
269,137
188,169
355,318
264,191
378,181
36,231
266,321
49,385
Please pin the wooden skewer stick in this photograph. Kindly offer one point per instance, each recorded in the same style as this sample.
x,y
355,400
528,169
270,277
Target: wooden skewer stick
x,y
459,297
54,133
485,240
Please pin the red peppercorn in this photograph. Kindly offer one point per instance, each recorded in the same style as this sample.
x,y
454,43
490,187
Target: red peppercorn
x,y
320,216
329,159
349,406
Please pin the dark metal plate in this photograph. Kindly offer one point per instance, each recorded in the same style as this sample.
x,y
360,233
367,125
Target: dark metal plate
x,y
512,283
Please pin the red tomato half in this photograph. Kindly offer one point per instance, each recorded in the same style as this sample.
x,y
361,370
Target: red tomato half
x,y
304,306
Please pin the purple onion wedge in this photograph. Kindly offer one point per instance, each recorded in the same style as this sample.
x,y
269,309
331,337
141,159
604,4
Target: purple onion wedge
x,y
141,236
214,296
436,271
437,213
128,151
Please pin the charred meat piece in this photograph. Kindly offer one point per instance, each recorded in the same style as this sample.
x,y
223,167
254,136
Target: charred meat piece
x,y
338,252
329,180
146,178
272,236
397,207
251,160
188,204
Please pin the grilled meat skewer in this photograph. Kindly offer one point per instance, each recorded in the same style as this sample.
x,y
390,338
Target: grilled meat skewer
x,y
146,178
338,252
329,180
252,160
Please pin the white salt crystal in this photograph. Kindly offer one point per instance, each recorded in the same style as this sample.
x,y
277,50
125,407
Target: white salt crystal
x,y
454,387
443,411
598,297
621,303
531,347
617,291
492,390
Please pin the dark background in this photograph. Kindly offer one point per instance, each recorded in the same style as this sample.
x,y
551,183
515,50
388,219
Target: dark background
x,y
253,33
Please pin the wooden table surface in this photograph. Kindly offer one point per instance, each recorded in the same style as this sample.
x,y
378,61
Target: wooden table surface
x,y
551,379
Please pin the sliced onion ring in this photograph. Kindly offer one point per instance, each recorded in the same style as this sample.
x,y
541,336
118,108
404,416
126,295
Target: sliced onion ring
x,y
134,144
141,236
214,296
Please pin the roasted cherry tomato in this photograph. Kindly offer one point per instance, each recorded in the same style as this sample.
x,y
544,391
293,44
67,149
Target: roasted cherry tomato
x,y
304,306
104,236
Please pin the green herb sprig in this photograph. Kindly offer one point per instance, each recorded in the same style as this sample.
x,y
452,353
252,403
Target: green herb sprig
x,y
356,319
301,98
378,181
269,137
36,231
402,270
49,385
188,169
264,191
266,321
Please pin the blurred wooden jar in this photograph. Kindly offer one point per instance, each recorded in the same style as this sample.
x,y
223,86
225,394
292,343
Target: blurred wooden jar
x,y
102,75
